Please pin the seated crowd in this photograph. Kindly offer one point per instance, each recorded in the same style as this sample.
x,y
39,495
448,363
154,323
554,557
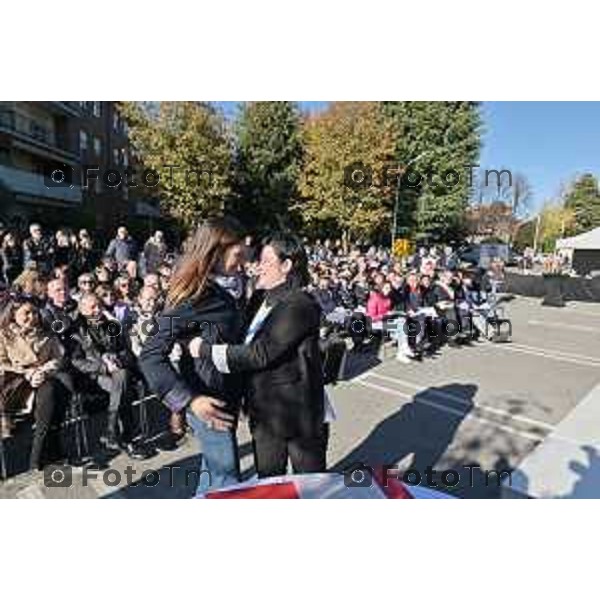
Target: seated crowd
x,y
69,325
74,321
421,302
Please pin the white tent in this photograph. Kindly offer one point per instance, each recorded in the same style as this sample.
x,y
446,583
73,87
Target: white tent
x,y
590,240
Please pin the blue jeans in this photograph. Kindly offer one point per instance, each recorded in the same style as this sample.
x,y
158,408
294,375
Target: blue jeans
x,y
220,465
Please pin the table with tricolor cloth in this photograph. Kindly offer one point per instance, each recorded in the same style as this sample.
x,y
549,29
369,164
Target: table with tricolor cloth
x,y
323,486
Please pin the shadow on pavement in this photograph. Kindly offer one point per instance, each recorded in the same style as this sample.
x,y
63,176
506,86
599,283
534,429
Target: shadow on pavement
x,y
418,435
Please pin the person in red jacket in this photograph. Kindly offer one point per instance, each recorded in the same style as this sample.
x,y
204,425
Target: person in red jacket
x,y
379,303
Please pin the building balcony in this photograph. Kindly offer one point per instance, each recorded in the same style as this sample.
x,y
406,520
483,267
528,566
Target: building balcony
x,y
29,135
69,108
31,185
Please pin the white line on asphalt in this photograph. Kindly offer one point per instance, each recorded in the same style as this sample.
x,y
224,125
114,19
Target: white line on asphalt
x,y
564,326
461,400
590,313
453,411
578,359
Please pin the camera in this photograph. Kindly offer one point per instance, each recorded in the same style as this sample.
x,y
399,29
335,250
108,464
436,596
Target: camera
x,y
358,475
58,176
58,476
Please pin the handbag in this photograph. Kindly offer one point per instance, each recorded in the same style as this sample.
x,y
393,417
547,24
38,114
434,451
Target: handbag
x,y
16,394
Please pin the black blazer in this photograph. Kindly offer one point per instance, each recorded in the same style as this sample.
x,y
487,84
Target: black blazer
x,y
284,388
215,317
89,342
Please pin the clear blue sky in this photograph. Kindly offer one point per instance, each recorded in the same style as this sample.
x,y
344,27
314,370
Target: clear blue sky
x,y
549,142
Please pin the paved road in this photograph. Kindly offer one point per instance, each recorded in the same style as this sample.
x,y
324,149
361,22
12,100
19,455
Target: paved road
x,y
485,406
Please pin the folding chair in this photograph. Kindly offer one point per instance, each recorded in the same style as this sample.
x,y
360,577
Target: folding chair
x,y
334,359
78,418
143,397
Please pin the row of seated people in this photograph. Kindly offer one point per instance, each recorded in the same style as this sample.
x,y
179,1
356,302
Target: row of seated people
x,y
49,354
420,312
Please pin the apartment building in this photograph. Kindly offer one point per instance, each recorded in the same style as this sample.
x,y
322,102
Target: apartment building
x,y
41,138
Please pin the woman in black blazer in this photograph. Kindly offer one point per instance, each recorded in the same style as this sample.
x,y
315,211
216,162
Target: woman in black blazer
x,y
204,299
284,387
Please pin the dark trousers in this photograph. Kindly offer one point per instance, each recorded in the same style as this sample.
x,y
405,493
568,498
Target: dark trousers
x,y
271,452
118,386
51,399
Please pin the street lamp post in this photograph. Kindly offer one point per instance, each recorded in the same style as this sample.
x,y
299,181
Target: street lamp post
x,y
401,172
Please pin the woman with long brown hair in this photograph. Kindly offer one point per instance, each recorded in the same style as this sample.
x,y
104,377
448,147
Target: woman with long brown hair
x,y
204,299
30,361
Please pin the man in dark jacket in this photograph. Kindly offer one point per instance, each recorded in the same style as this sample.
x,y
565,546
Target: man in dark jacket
x,y
324,296
155,252
122,248
285,392
38,249
59,317
101,353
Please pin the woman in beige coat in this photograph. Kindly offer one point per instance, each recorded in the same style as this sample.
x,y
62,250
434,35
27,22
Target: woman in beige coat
x,y
29,362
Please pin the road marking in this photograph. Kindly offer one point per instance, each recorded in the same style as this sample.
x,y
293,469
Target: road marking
x,y
591,313
564,326
461,400
578,359
453,411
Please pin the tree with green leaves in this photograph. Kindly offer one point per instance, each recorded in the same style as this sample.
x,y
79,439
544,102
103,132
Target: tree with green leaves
x,y
583,199
267,163
188,145
444,137
555,221
347,141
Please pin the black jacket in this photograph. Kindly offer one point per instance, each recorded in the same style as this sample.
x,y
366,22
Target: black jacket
x,y
412,299
218,319
154,255
64,255
62,322
11,261
40,252
284,389
84,260
326,300
91,342
122,250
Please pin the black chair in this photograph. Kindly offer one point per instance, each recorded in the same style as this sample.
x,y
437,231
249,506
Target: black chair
x,y
78,419
334,353
143,397
75,421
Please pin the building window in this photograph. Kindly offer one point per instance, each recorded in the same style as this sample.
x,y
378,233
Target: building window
x,y
97,146
97,109
83,141
124,157
116,156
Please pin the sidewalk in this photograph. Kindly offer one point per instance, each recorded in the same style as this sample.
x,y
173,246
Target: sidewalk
x,y
567,463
